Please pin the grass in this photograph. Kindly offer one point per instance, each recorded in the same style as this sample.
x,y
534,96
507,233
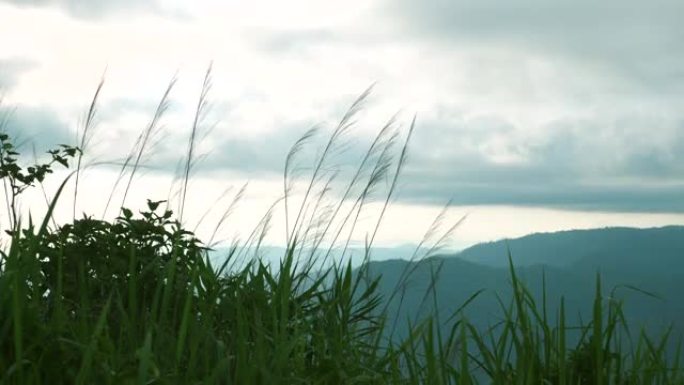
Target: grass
x,y
137,300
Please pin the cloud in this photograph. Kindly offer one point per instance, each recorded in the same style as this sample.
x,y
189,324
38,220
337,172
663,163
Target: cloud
x,y
34,127
573,104
570,104
265,155
633,163
636,166
643,41
295,42
10,71
568,164
92,9
255,156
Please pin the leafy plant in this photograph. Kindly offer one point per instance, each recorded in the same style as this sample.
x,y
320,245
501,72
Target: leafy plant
x,y
17,179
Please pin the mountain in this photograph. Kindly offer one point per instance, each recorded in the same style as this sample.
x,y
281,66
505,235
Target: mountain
x,y
567,263
567,248
355,254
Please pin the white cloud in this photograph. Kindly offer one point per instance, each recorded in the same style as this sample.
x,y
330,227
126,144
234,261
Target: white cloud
x,y
90,9
572,105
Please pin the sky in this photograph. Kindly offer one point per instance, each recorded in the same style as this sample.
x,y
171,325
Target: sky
x,y
530,115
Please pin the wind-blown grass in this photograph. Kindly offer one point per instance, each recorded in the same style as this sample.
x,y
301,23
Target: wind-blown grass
x,y
137,300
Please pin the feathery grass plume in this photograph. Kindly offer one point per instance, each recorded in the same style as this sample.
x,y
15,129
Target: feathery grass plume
x,y
10,203
5,183
85,138
319,215
174,191
211,207
257,235
327,214
377,174
195,134
288,171
400,165
409,269
139,150
227,212
42,185
340,130
378,141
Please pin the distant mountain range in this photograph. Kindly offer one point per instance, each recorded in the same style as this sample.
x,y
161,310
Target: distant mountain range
x,y
649,259
599,247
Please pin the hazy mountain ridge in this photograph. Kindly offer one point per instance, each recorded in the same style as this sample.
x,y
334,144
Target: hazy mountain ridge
x,y
577,247
649,259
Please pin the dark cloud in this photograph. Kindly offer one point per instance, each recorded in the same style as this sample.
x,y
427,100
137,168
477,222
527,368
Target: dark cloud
x,y
576,166
265,155
571,164
642,41
92,9
11,70
34,127
627,60
256,156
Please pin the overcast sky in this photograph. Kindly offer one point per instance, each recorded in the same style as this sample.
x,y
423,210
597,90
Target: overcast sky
x,y
531,115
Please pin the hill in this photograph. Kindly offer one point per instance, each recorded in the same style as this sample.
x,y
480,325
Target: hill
x,y
564,263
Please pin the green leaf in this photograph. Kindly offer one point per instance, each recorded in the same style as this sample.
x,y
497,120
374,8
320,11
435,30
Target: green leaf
x,y
153,205
62,161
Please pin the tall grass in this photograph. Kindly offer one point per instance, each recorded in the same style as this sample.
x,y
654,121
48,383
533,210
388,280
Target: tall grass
x,y
137,300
